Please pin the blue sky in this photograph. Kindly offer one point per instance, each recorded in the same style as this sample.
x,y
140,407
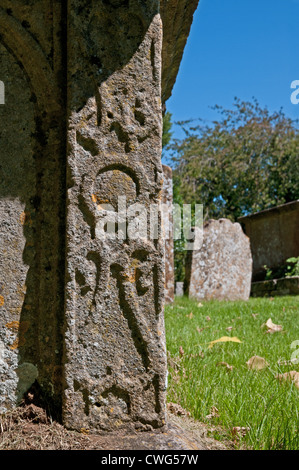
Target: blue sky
x,y
240,48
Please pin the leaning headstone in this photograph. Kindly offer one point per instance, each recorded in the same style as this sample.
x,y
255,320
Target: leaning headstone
x,y
221,269
169,248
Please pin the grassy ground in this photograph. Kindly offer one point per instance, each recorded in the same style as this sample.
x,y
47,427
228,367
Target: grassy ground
x,y
240,397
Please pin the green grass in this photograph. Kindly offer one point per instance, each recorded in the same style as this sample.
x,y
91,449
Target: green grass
x,y
243,397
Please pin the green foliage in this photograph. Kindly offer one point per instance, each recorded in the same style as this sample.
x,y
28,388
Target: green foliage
x,y
293,267
289,269
167,125
268,274
245,162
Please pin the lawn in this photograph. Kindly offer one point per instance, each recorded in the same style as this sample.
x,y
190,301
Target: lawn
x,y
236,397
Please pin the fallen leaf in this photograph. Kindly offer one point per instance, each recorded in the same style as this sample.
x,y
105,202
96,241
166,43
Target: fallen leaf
x,y
225,339
208,318
177,410
199,304
257,363
272,328
229,328
241,431
194,356
199,329
226,365
282,362
214,412
181,351
292,376
190,315
84,431
255,315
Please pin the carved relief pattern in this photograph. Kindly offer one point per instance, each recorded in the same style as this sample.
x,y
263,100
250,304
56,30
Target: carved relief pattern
x,y
115,351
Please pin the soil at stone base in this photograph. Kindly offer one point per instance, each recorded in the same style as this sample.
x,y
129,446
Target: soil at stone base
x,y
29,428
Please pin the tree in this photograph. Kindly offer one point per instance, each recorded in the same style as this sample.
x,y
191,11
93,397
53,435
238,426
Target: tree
x,y
167,134
245,162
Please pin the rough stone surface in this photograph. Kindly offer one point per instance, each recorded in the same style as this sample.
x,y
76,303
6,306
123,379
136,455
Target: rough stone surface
x,y
273,235
31,200
222,268
115,369
169,249
82,318
274,287
177,16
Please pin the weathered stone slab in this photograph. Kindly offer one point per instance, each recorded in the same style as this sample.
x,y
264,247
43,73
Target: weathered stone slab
x,y
169,248
31,203
222,268
177,16
273,235
115,352
16,189
275,287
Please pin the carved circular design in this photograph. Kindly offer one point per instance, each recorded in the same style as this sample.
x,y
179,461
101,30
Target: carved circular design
x,y
111,184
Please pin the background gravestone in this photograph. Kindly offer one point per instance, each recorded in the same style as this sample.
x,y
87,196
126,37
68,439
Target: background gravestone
x,y
169,248
222,268
179,289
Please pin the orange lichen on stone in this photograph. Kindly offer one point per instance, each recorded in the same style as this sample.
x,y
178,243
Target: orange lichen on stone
x,y
13,325
1,301
131,276
25,219
18,342
21,328
22,218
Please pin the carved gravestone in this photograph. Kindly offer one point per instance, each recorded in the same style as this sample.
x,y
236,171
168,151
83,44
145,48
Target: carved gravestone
x,y
221,269
169,249
81,312
115,352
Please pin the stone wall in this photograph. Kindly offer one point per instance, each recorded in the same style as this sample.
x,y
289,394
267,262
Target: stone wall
x,y
81,318
276,287
273,235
